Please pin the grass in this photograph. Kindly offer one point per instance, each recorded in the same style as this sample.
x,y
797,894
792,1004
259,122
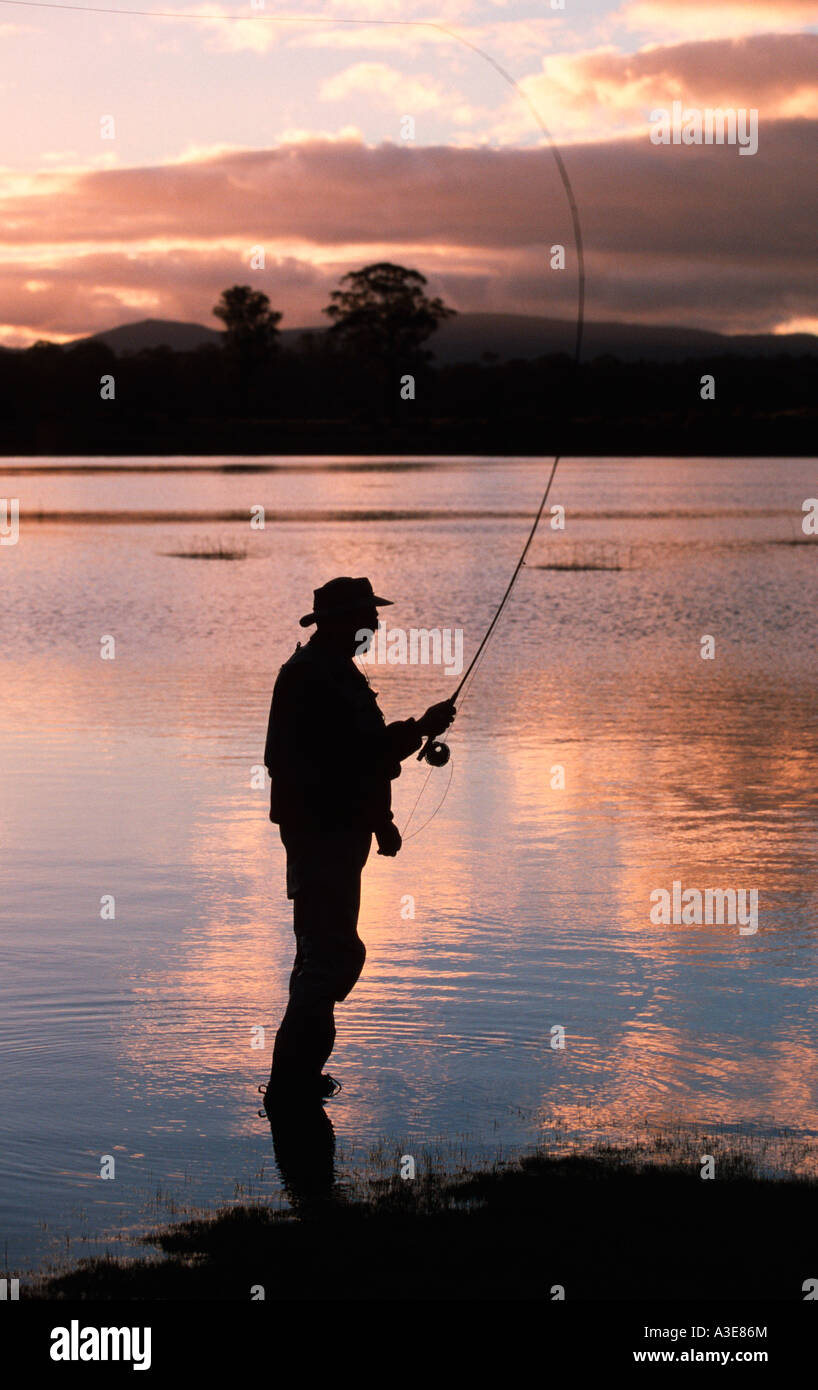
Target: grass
x,y
590,555
576,565
609,1224
209,550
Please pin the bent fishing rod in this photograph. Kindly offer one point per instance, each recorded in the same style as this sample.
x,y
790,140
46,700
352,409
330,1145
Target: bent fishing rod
x,y
434,751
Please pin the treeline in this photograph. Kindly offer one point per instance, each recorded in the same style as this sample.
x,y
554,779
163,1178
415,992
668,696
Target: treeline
x,y
325,397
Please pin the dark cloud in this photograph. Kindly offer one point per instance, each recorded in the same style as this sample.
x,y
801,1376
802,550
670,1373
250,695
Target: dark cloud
x,y
699,235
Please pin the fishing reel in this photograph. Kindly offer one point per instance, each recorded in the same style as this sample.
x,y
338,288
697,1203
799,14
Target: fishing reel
x,y
434,752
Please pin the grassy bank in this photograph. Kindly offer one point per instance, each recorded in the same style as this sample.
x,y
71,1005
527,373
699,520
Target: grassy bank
x,y
609,1224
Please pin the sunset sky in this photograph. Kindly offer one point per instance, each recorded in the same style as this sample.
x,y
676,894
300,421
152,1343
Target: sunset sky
x,y
235,133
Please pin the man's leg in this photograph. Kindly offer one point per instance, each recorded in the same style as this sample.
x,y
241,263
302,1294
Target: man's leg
x,y
307,1030
297,963
329,961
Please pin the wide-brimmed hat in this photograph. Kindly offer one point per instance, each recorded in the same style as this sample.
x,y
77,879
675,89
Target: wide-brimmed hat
x,y
342,596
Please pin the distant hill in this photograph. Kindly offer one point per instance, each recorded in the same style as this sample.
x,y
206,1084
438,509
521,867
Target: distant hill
x,y
467,337
151,333
506,336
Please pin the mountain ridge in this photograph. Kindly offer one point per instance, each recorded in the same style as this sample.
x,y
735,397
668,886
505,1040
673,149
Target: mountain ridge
x,y
468,337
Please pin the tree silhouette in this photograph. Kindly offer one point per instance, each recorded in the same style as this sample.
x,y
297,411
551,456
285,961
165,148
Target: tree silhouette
x,y
385,313
251,333
247,317
382,318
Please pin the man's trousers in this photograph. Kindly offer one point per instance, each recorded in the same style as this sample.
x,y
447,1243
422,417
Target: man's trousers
x,y
324,882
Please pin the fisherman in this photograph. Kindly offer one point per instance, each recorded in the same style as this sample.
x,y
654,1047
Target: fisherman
x,y
331,757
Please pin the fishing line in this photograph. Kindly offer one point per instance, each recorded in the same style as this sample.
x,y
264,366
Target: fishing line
x,y
431,751
437,746
504,600
424,824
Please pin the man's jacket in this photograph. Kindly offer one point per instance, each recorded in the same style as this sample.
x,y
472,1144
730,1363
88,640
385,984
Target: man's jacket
x,y
330,754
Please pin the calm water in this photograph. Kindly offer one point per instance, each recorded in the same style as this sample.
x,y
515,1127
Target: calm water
x,y
133,777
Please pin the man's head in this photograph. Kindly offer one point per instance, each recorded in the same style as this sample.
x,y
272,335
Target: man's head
x,y
344,608
350,633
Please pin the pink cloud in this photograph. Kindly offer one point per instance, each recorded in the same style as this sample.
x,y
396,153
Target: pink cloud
x,y
708,18
777,73
697,236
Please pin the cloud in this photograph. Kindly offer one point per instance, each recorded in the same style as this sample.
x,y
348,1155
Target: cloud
x,y
403,94
379,81
517,38
798,326
776,73
406,27
691,235
93,290
713,18
364,23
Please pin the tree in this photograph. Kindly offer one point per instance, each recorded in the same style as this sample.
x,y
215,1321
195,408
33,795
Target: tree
x,y
385,314
251,332
248,318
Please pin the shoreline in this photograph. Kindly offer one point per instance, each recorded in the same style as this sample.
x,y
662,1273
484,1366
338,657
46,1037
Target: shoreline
x,y
609,1224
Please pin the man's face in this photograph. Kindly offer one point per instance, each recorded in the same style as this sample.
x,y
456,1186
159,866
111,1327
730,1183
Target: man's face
x,y
365,627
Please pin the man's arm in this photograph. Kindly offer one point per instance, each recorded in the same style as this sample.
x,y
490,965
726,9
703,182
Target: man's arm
x,y
406,735
403,737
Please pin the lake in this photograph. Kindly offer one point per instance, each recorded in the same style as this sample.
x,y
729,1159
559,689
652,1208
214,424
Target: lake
x,y
598,757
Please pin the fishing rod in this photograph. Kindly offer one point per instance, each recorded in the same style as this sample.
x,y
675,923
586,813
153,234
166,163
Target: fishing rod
x,y
434,751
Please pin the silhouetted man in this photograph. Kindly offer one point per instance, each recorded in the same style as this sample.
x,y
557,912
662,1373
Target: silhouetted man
x,y
331,758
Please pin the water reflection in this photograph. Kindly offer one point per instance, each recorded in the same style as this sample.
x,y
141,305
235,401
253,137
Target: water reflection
x,y
304,1147
530,891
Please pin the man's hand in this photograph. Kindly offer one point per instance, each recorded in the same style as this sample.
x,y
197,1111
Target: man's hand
x,y
389,839
437,718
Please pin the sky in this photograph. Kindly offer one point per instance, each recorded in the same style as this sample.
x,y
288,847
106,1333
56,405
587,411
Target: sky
x,y
146,159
